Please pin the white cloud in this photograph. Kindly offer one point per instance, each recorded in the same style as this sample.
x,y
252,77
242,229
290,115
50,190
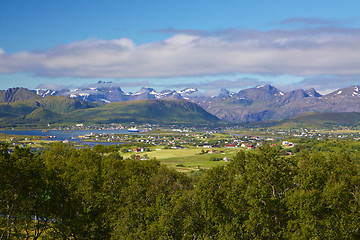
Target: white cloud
x,y
218,84
312,21
302,52
53,86
181,40
323,83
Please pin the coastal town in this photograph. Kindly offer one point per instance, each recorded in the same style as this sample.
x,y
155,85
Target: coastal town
x,y
180,147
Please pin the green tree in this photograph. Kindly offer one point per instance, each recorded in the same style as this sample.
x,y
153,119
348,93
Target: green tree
x,y
325,205
139,191
24,200
245,199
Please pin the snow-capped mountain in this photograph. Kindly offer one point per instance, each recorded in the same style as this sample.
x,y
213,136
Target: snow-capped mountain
x,y
107,92
268,103
259,103
353,91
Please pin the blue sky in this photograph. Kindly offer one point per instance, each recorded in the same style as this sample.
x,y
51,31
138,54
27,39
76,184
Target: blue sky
x,y
173,44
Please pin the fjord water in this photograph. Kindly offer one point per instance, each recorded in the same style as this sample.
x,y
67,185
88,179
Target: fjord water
x,y
73,135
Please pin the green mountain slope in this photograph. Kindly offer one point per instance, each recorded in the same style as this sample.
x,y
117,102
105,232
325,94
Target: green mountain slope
x,y
147,111
17,94
62,104
63,110
321,120
29,109
43,116
15,110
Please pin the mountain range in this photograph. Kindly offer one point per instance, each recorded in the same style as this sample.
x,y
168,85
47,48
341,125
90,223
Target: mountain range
x,y
319,120
21,107
106,92
249,105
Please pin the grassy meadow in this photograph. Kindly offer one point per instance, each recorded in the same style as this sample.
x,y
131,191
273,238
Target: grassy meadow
x,y
187,159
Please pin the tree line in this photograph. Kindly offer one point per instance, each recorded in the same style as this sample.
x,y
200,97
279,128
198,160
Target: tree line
x,y
92,193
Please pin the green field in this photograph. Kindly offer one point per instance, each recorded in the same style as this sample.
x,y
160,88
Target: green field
x,y
189,159
7,137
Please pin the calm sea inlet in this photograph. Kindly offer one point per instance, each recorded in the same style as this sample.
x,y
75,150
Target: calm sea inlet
x,y
72,136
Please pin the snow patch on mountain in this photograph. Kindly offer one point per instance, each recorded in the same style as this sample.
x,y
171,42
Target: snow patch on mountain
x,y
356,92
104,100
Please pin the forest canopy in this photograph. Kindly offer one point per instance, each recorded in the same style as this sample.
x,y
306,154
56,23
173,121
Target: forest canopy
x,y
92,193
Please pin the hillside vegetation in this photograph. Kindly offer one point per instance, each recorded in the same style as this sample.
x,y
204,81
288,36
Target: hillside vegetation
x,y
68,193
146,111
321,120
17,94
31,111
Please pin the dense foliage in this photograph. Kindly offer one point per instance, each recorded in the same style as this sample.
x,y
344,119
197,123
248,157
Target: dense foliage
x,y
68,193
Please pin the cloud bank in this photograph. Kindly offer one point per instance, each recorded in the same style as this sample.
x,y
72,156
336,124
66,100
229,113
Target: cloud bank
x,y
323,83
218,84
302,52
